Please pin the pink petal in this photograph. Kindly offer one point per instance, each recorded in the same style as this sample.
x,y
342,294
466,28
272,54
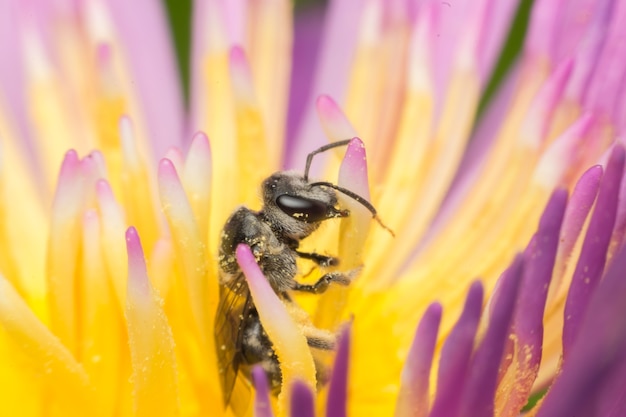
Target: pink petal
x,y
339,40
153,66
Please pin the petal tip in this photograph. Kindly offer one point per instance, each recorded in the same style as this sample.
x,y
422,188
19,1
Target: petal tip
x,y
166,168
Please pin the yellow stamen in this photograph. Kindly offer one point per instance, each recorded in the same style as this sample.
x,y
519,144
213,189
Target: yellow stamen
x,y
112,229
63,249
109,105
49,110
252,150
100,321
188,243
22,220
151,343
136,186
195,289
196,177
66,390
217,118
270,42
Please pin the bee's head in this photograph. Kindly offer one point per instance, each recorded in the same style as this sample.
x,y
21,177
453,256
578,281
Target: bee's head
x,y
295,207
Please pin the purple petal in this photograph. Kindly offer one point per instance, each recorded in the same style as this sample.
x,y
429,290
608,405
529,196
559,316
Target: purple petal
x,y
302,403
539,117
542,28
495,25
456,354
478,26
151,58
308,27
558,27
476,44
620,221
479,395
528,323
595,353
586,57
414,397
577,20
338,389
620,117
199,41
262,406
612,398
593,253
12,84
11,66
338,44
579,206
235,14
540,256
449,25
609,68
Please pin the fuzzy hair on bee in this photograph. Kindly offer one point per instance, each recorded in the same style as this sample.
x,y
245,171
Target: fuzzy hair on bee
x,y
293,208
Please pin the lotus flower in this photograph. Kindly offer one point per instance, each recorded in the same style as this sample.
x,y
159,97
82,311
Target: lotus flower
x,y
504,280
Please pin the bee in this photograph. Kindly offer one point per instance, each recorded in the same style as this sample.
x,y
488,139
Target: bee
x,y
293,208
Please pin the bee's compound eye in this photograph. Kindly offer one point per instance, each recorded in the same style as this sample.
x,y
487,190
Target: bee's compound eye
x,y
303,209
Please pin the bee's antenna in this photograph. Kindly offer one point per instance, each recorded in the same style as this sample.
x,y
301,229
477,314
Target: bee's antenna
x,y
324,148
356,198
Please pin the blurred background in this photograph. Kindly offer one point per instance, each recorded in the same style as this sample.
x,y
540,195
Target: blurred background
x,y
179,14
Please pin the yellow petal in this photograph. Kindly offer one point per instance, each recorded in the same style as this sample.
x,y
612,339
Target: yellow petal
x,y
64,384
151,341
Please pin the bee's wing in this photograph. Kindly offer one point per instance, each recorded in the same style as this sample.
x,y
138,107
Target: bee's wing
x,y
235,302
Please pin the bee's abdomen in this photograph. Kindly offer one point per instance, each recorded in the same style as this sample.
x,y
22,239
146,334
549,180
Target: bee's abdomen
x,y
256,348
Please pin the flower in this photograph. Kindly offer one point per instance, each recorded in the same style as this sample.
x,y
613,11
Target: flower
x,y
108,272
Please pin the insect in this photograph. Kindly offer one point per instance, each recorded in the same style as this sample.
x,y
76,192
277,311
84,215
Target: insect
x,y
293,208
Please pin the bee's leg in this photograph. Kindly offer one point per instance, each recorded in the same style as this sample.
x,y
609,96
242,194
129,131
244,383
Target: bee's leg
x,y
322,284
323,343
318,338
320,341
321,260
